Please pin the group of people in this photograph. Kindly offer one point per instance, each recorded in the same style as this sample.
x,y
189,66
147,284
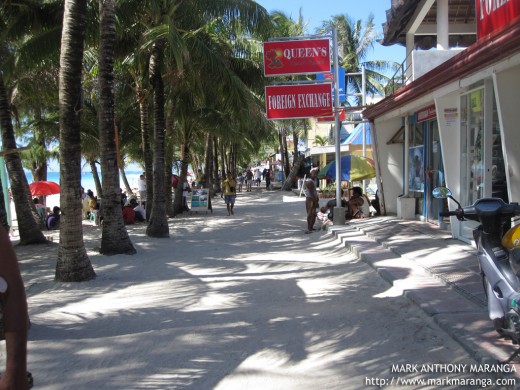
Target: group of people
x,y
133,212
51,220
356,204
249,178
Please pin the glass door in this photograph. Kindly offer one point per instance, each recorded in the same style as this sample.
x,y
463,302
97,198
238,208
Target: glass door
x,y
434,172
472,137
483,168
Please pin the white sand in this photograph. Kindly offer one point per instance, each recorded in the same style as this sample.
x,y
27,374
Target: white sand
x,y
241,302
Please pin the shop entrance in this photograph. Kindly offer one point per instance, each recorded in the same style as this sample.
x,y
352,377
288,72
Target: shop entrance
x,y
434,172
483,168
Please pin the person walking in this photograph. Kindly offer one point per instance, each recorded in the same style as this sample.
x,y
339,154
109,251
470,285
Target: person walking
x,y
230,193
311,199
249,180
268,179
258,177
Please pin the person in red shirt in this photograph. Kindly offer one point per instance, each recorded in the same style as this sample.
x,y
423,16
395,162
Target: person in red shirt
x,y
128,214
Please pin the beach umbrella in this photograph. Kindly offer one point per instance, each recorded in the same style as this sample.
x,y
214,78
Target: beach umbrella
x,y
43,188
353,168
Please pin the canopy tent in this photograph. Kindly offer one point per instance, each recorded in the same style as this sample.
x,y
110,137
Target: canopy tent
x,y
353,168
356,137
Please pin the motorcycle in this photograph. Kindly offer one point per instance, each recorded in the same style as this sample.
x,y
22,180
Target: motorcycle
x,y
498,252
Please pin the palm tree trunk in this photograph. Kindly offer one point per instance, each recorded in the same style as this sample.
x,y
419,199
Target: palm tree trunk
x,y
39,164
3,213
223,158
122,173
158,225
168,166
114,239
295,145
95,176
208,164
185,155
147,151
26,214
73,264
291,177
216,179
287,166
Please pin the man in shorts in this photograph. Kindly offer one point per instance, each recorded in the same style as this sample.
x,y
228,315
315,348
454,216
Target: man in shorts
x,y
230,192
311,199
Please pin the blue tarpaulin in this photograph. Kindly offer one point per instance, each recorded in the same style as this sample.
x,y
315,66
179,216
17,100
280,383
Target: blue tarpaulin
x,y
356,137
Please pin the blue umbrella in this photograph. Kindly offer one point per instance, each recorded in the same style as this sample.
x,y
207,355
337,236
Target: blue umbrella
x,y
353,168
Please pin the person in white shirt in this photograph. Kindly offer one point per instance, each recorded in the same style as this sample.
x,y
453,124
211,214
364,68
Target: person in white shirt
x,y
140,211
141,187
258,177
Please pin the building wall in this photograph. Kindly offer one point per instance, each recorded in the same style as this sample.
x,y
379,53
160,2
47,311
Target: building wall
x,y
390,161
505,80
507,92
424,61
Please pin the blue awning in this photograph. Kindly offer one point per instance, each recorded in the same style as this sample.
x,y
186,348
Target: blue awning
x,y
356,137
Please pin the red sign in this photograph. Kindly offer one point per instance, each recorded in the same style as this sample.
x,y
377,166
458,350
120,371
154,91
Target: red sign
x,y
296,57
298,101
493,15
426,114
342,117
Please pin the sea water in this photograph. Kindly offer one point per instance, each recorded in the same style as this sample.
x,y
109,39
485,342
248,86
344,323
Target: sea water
x,y
87,179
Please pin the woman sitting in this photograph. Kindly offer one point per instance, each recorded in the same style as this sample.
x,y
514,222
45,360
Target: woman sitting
x,y
53,220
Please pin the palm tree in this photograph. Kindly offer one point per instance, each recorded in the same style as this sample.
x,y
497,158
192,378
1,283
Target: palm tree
x,y
27,217
158,224
321,140
115,239
17,23
354,41
73,264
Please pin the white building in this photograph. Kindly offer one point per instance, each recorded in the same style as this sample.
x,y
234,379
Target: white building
x,y
454,118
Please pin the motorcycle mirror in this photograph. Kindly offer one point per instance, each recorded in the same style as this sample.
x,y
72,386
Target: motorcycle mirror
x,y
441,193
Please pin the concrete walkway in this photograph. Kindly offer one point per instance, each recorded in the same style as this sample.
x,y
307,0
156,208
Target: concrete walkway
x,y
438,273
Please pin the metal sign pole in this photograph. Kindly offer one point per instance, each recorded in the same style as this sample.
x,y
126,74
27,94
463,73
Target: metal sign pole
x,y
338,212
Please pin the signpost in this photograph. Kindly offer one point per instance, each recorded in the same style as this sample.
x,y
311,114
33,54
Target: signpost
x,y
303,56
495,15
298,101
306,56
330,76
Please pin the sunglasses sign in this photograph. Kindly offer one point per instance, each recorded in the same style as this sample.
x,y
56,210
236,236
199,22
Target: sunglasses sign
x,y
296,57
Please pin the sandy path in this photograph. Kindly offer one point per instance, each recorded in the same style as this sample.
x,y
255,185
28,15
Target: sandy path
x,y
241,302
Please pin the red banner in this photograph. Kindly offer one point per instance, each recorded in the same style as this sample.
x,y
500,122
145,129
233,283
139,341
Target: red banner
x,y
296,57
493,15
298,101
342,117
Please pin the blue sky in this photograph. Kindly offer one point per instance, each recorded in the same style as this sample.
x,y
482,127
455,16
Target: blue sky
x,y
315,11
